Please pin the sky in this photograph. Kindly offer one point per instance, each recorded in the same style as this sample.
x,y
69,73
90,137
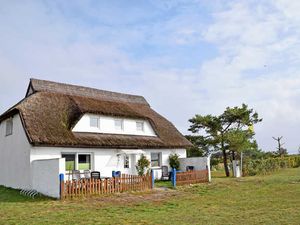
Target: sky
x,y
185,57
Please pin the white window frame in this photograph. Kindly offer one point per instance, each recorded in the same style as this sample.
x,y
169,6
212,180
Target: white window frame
x,y
122,124
98,121
9,130
143,126
77,159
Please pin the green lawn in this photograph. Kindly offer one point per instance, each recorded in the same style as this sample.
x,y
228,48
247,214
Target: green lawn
x,y
272,199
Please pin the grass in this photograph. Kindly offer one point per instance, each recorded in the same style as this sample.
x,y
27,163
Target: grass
x,y
163,183
272,199
218,174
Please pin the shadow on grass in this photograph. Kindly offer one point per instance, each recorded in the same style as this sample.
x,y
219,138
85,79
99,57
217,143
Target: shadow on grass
x,y
13,195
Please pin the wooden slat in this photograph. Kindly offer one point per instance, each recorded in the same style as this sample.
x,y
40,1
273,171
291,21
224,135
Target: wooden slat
x,y
88,187
191,177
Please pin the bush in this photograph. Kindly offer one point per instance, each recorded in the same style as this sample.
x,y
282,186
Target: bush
x,y
174,161
142,165
266,166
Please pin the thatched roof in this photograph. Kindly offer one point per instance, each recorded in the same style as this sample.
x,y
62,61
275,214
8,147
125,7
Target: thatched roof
x,y
50,110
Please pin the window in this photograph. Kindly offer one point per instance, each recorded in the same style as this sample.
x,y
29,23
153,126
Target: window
x,y
119,124
155,159
70,161
75,161
95,122
9,127
126,161
84,161
139,126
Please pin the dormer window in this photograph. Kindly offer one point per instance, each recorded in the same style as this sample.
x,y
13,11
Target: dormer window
x,y
140,126
104,124
95,122
119,124
9,127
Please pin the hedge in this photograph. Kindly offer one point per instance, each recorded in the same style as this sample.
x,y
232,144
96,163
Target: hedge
x,y
266,166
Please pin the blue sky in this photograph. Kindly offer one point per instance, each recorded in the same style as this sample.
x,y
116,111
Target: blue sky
x,y
185,57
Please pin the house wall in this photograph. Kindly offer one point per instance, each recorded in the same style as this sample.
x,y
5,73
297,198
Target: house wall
x,y
45,176
107,125
165,158
14,156
105,160
199,163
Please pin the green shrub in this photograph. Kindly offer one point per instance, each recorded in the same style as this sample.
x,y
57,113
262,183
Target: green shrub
x,y
142,165
266,166
174,161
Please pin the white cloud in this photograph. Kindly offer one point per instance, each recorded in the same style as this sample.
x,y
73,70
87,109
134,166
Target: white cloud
x,y
256,59
257,65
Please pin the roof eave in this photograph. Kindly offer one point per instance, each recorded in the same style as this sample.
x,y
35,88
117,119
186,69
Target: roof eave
x,y
107,146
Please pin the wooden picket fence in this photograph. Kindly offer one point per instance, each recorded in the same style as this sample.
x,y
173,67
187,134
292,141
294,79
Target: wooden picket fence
x,y
89,187
192,177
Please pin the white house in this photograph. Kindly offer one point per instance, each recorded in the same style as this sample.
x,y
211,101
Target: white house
x,y
91,129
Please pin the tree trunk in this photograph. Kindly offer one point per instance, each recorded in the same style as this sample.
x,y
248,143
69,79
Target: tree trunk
x,y
233,155
225,159
225,163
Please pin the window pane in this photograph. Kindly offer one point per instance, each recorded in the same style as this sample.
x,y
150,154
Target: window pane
x,y
126,161
9,127
94,122
84,162
155,159
119,124
154,156
70,161
140,126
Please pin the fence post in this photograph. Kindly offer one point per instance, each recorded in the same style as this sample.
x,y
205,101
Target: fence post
x,y
61,185
152,179
173,178
208,168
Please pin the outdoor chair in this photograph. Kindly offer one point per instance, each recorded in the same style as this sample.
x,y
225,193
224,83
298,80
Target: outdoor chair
x,y
87,174
75,175
164,172
95,175
189,168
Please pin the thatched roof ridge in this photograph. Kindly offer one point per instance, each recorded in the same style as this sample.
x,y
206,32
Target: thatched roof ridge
x,y
75,90
49,115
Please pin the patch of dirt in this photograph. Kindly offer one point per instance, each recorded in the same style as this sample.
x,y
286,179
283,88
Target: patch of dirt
x,y
157,195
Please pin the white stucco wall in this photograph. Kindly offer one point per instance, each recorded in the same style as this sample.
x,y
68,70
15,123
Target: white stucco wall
x,y
45,176
14,156
103,160
199,163
107,125
106,160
